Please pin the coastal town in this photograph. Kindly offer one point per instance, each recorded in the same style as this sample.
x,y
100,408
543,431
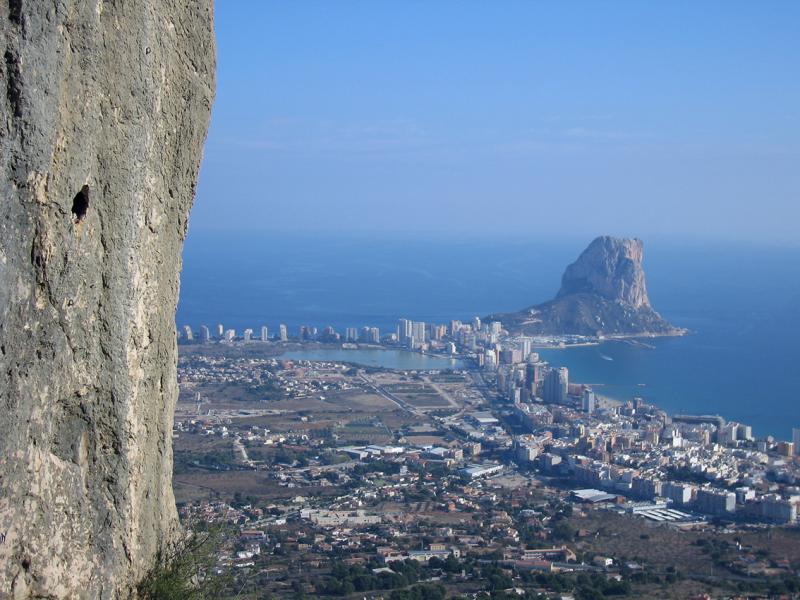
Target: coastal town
x,y
498,476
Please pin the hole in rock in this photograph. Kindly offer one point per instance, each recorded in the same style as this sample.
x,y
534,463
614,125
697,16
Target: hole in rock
x,y
80,204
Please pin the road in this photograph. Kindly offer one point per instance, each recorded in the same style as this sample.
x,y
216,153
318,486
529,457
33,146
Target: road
x,y
391,397
442,392
337,467
238,446
477,378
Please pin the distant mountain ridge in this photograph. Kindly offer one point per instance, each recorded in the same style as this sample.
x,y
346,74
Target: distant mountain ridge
x,y
603,293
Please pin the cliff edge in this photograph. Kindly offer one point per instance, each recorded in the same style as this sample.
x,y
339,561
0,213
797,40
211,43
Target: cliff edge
x,y
603,293
104,113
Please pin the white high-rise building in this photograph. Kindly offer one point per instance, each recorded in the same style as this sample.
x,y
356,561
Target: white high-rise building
x,y
264,334
727,434
419,331
436,332
744,432
283,334
556,386
404,330
525,344
205,333
796,439
187,333
220,330
454,327
248,334
230,335
679,493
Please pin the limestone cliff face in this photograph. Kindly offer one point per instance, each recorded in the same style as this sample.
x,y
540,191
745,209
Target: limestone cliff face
x,y
105,107
603,293
610,268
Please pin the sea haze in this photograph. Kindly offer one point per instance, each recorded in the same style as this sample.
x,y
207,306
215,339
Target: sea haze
x,y
741,302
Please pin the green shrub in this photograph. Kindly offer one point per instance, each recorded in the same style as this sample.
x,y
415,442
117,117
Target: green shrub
x,y
185,571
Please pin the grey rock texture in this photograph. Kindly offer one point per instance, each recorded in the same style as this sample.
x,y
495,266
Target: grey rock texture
x,y
610,268
105,107
603,293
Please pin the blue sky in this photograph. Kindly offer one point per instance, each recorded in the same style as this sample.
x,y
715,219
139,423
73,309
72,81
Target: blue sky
x,y
521,118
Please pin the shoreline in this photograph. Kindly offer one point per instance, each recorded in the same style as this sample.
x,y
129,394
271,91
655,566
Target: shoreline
x,y
278,349
632,339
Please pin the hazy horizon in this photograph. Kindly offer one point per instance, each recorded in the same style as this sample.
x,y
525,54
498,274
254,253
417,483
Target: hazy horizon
x,y
678,120
579,240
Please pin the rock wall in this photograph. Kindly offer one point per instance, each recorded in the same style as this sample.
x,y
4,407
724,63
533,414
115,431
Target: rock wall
x,y
611,268
105,107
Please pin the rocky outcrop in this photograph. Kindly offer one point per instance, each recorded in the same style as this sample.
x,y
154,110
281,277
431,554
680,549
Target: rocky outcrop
x,y
104,112
610,268
602,293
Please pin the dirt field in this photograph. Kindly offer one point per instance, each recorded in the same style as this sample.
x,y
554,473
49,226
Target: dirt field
x,y
661,547
426,440
362,402
426,401
190,447
365,433
225,393
223,485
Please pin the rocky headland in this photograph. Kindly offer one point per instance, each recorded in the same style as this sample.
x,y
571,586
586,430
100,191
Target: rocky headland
x,y
603,294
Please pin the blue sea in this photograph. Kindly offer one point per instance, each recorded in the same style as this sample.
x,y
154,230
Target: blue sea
x,y
741,301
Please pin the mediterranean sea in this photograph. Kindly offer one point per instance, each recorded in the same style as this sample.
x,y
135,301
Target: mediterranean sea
x,y
741,302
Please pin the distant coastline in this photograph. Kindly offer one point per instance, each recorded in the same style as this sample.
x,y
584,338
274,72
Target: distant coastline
x,y
746,316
